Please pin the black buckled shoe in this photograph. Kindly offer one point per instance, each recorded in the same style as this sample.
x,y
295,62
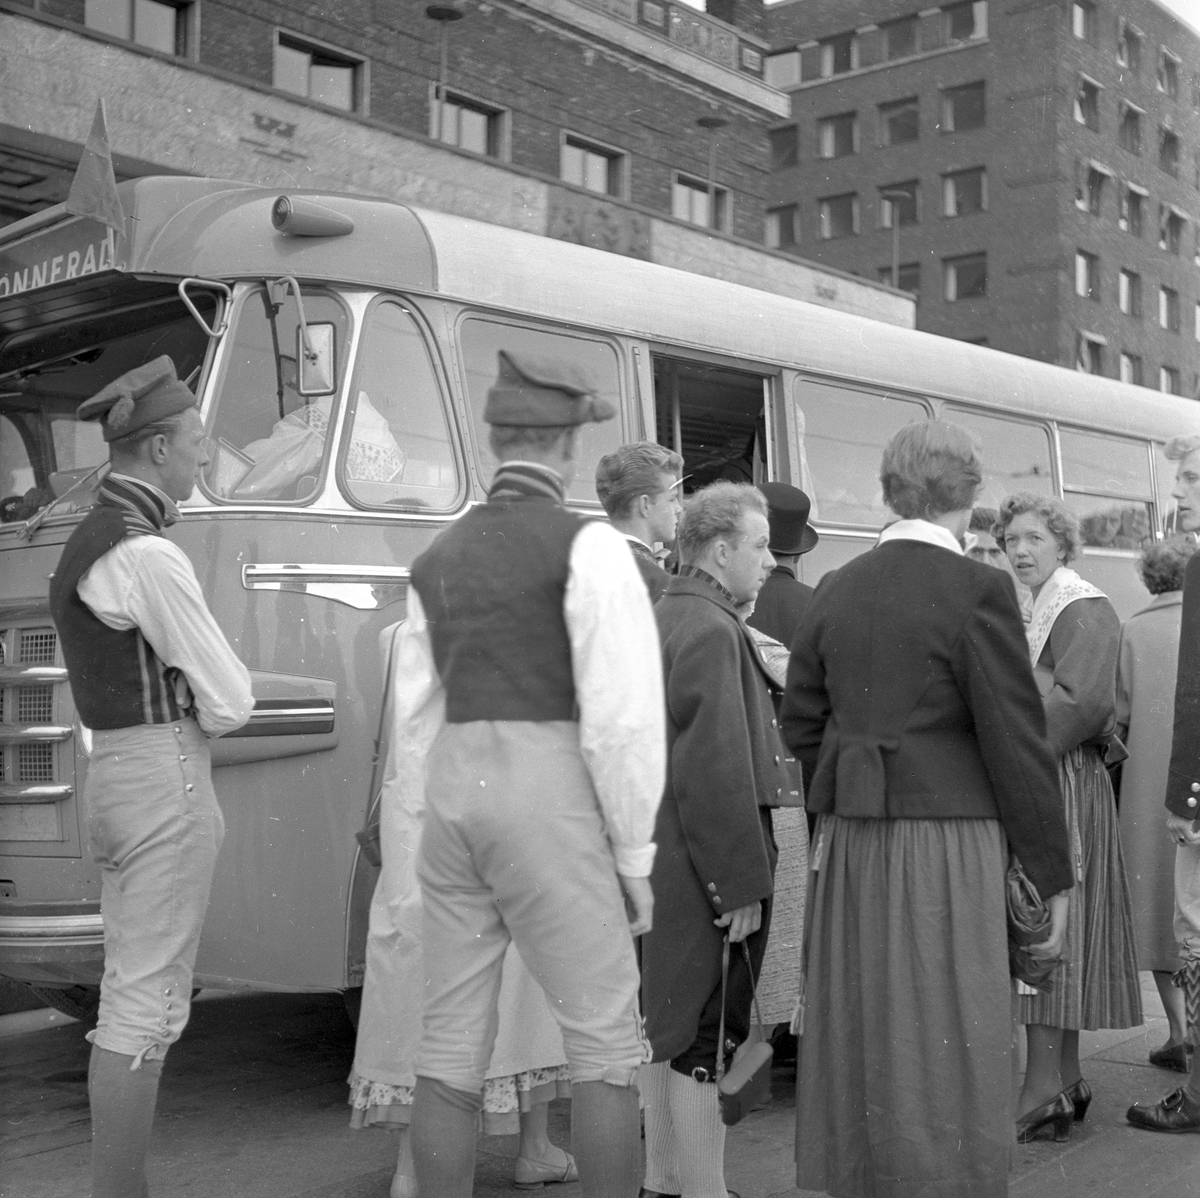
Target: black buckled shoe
x,y
1176,1113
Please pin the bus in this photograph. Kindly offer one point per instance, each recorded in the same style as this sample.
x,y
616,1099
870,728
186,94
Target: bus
x,y
341,349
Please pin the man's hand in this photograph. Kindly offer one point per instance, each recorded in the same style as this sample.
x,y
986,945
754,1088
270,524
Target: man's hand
x,y
1183,830
1052,946
743,922
639,903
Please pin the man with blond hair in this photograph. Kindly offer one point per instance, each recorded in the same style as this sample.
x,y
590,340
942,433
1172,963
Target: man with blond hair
x,y
639,486
1179,1111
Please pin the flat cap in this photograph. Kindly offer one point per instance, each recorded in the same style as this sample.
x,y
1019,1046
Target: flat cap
x,y
788,509
137,398
535,392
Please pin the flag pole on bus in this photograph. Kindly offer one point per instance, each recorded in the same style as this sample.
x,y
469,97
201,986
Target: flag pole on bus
x,y
94,188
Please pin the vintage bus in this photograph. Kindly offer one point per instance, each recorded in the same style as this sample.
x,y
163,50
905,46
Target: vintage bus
x,y
341,348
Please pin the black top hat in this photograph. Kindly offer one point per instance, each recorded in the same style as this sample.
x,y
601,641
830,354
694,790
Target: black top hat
x,y
789,507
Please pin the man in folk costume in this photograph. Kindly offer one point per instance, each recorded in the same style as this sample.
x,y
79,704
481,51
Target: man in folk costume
x,y
1179,1111
153,677
639,486
532,716
783,600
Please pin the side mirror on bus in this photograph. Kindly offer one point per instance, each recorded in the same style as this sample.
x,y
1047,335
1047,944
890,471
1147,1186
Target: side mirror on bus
x,y
318,361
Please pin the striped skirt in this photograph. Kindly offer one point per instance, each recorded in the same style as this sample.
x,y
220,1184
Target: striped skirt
x,y
1097,985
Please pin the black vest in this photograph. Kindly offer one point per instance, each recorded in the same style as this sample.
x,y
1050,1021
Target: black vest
x,y
492,587
117,680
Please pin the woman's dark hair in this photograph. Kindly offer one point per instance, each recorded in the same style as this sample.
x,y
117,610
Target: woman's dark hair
x,y
929,469
1162,564
1053,513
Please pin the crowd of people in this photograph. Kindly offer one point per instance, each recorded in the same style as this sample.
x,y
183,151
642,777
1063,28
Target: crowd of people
x,y
611,746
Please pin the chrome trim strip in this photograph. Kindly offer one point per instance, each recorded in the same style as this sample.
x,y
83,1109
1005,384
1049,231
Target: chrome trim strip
x,y
42,792
17,734
366,588
23,928
15,675
261,715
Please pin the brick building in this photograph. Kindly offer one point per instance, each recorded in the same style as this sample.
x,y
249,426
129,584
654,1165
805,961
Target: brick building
x,y
1036,165
586,120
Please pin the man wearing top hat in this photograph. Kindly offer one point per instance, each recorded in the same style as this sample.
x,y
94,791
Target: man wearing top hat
x,y
783,599
531,714
152,677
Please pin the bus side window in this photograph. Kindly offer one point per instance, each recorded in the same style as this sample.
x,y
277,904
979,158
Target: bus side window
x,y
841,433
1016,454
269,443
399,451
1107,483
480,342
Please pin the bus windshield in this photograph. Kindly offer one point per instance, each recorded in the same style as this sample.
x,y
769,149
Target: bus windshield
x,y
49,372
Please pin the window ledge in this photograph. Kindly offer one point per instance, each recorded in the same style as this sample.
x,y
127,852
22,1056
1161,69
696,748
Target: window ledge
x,y
885,66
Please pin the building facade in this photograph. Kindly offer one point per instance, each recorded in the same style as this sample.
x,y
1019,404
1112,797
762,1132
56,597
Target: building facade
x,y
1032,170
635,126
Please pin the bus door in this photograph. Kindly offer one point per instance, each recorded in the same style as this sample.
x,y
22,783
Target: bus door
x,y
718,417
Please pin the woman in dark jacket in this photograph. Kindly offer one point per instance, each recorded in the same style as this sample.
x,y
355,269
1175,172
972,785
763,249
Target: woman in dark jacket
x,y
912,707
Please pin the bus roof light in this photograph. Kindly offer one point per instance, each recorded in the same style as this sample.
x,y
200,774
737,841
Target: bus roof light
x,y
305,218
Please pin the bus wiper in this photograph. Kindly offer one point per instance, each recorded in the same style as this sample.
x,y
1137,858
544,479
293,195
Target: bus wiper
x,y
35,521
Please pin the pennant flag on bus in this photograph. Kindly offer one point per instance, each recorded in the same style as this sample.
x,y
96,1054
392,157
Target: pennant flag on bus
x,y
94,188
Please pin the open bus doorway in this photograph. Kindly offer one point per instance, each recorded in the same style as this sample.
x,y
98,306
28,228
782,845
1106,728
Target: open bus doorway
x,y
716,418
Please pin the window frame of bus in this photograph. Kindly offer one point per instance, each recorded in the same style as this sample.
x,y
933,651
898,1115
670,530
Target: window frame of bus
x,y
1150,498
244,292
799,440
480,454
453,425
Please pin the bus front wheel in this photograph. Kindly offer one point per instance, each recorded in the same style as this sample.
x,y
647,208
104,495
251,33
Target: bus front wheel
x,y
80,1002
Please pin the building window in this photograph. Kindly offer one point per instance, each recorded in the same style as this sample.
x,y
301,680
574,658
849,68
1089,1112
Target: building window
x,y
784,147
783,227
898,200
597,168
910,277
1170,229
466,123
839,55
900,38
690,202
1168,309
837,136
1130,218
1168,73
1129,292
1087,275
148,23
782,70
1089,354
964,192
838,216
963,108
965,277
318,73
1087,104
1168,151
1129,48
1168,380
965,22
898,122
1131,369
1089,191
1083,21
1129,132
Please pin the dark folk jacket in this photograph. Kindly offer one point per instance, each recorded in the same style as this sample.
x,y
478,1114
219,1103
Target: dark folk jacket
x,y
781,605
1183,781
910,695
725,761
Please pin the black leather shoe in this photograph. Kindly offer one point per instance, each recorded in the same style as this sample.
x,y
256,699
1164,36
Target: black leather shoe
x,y
1055,1115
645,1193
1173,1056
1177,1112
1080,1095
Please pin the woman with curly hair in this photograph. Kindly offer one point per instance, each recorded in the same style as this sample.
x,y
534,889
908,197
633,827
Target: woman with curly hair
x,y
1073,636
1145,718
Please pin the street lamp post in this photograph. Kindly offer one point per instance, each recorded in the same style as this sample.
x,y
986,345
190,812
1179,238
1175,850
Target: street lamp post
x,y
893,198
712,124
445,16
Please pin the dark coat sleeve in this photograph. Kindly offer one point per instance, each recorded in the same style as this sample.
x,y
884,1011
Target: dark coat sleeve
x,y
993,673
805,708
712,767
1184,773
1082,650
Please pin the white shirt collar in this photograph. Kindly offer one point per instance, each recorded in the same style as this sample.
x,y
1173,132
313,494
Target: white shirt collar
x,y
920,530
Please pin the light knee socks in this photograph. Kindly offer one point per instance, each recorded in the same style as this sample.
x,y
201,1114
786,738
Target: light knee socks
x,y
662,1148
123,1102
699,1136
444,1122
606,1139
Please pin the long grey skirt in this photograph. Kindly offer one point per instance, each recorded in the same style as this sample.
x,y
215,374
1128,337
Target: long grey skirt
x,y
903,1089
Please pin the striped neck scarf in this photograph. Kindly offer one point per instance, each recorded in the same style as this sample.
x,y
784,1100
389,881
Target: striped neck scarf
x,y
705,576
527,480
145,510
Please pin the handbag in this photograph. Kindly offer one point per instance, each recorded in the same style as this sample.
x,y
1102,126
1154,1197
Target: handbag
x,y
1028,923
748,1082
